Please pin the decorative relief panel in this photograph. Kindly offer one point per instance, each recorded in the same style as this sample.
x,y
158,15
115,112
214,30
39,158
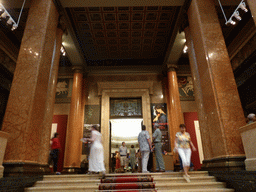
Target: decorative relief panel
x,y
125,107
63,90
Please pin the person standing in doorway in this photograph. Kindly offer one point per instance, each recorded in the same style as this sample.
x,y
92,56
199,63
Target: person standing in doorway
x,y
55,150
157,137
182,145
123,155
145,147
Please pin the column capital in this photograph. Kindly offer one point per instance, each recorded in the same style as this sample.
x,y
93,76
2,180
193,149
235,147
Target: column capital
x,y
62,25
78,69
171,67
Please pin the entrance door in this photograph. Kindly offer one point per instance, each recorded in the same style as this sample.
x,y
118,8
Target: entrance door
x,y
124,130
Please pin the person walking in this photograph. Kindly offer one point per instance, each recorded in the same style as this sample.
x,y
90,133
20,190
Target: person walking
x,y
55,150
157,137
145,147
182,145
123,155
96,157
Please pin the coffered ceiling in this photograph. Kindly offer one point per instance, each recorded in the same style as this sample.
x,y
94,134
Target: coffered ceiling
x,y
107,33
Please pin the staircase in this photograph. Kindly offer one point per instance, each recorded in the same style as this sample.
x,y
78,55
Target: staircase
x,y
139,182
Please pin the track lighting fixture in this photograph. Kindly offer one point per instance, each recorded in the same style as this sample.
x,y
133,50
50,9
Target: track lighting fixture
x,y
4,15
235,14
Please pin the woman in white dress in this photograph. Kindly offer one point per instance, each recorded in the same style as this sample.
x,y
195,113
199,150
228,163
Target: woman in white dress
x,y
96,157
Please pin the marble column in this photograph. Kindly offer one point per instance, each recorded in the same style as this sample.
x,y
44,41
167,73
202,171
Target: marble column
x,y
198,94
175,116
252,6
220,110
27,101
73,150
47,123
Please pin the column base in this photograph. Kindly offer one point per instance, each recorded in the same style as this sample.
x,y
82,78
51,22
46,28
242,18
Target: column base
x,y
250,164
26,169
71,170
224,164
1,171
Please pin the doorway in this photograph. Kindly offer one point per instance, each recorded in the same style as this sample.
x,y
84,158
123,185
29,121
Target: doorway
x,y
124,130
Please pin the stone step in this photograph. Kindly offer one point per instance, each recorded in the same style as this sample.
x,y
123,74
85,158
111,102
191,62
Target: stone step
x,y
78,182
161,180
127,190
62,189
197,190
199,185
71,177
162,174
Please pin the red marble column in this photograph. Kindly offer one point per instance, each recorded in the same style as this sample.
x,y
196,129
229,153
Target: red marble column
x,y
47,123
73,150
252,6
221,113
27,101
175,115
198,95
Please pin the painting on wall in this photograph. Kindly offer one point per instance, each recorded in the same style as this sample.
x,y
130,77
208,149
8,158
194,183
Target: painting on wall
x,y
63,90
186,88
159,118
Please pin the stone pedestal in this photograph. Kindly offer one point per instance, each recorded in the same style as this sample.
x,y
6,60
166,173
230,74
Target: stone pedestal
x,y
248,133
3,142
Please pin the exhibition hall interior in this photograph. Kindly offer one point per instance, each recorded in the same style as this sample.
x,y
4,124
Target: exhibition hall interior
x,y
67,66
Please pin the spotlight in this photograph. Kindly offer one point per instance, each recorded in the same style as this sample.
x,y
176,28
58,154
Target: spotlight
x,y
232,22
4,15
236,15
9,21
185,49
243,6
14,27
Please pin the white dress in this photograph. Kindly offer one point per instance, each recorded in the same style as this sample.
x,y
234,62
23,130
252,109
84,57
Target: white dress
x,y
96,157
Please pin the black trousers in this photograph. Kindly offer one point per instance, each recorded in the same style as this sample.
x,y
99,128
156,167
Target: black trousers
x,y
54,156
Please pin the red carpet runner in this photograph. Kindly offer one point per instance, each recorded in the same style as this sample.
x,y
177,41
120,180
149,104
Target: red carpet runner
x,y
127,183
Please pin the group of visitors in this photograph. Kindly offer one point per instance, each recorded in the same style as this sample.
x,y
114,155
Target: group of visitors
x,y
124,159
96,157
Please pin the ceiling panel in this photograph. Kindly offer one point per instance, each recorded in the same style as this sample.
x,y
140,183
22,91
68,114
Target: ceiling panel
x,y
136,32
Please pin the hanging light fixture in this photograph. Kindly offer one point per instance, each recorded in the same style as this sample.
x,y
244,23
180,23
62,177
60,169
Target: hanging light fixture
x,y
4,14
235,14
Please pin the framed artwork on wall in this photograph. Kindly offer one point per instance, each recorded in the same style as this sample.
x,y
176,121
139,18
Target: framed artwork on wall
x,y
186,88
63,90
